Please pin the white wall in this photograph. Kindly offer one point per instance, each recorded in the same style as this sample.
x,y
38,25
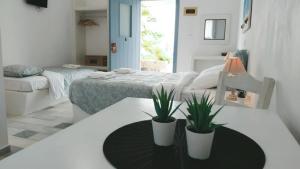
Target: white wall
x,y
91,40
191,30
36,36
3,127
273,42
91,4
97,38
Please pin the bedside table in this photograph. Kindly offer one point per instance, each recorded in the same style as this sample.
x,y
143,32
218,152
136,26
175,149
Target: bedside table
x,y
96,60
248,101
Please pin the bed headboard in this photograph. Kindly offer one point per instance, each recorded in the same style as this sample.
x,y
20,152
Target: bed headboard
x,y
201,63
243,55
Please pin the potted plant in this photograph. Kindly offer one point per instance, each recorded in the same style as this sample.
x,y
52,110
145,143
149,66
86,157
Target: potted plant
x,y
164,124
201,128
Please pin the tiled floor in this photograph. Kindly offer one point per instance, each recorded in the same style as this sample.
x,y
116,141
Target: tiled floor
x,y
28,129
13,150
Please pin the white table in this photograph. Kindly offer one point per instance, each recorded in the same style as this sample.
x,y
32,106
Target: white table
x,y
80,146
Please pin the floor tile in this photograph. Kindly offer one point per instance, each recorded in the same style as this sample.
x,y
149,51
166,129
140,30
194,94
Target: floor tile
x,y
13,149
30,128
13,131
44,117
39,136
4,156
20,142
31,120
63,125
34,127
26,134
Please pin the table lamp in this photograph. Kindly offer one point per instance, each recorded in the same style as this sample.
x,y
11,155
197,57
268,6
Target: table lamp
x,y
234,67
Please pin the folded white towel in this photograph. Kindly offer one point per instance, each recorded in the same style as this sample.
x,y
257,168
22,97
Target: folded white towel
x,y
71,66
99,74
124,71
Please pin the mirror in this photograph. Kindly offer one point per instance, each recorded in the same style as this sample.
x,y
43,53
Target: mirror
x,y
215,29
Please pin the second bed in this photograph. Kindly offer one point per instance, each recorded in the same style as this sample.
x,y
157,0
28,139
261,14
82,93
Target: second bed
x,y
90,95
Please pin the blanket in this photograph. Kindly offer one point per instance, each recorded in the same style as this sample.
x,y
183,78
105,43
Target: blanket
x,y
93,95
60,79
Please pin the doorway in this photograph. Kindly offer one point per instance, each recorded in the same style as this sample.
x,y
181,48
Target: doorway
x,y
158,28
124,34
143,39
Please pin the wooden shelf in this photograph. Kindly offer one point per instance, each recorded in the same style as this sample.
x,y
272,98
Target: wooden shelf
x,y
95,60
101,68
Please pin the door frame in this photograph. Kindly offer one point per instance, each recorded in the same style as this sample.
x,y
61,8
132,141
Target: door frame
x,y
4,146
175,50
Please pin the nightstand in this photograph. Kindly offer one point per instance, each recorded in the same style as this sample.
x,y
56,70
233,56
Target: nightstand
x,y
96,60
248,101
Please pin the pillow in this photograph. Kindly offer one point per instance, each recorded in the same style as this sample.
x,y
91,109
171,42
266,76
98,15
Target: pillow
x,y
208,78
124,71
22,71
214,68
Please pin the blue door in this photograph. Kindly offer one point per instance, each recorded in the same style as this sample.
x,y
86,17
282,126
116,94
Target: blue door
x,y
124,19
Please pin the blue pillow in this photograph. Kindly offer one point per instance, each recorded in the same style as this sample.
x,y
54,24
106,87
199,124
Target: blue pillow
x,y
20,71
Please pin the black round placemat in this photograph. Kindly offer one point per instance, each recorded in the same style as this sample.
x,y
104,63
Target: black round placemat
x,y
132,147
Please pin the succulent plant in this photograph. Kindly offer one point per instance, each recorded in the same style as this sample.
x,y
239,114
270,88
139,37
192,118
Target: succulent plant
x,y
163,103
200,116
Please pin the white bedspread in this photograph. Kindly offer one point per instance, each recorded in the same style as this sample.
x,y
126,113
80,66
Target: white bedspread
x,y
93,95
56,84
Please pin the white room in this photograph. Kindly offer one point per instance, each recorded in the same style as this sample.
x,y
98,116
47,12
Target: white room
x,y
104,84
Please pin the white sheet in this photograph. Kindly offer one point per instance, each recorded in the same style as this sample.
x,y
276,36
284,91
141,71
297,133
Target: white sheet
x,y
57,84
176,83
187,92
27,84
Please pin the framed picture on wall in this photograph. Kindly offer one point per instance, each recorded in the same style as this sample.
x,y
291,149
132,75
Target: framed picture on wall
x,y
247,15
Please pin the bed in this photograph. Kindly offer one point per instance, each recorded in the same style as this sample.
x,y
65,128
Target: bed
x,y
30,94
80,114
89,96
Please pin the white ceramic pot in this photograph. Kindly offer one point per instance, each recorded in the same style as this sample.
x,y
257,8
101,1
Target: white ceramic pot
x,y
199,145
163,133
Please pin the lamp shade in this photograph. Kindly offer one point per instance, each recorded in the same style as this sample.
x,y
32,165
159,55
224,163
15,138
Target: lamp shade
x,y
229,54
234,66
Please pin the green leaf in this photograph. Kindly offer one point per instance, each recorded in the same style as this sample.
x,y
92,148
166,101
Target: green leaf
x,y
163,104
174,111
200,112
149,114
215,126
187,118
